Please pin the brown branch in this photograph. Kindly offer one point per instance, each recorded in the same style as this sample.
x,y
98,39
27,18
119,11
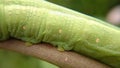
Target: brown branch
x,y
51,54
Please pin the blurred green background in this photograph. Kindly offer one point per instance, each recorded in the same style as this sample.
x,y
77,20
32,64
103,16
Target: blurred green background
x,y
95,8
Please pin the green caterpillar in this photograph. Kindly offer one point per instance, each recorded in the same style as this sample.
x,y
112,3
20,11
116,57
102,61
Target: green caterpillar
x,y
38,21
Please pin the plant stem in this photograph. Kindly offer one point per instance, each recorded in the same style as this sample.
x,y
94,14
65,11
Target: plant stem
x,y
66,59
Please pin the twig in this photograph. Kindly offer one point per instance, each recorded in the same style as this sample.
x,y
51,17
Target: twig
x,y
49,53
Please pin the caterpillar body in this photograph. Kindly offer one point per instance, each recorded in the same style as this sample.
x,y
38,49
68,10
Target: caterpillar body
x,y
40,21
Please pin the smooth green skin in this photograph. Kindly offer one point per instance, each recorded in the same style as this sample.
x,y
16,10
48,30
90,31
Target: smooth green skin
x,y
36,22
